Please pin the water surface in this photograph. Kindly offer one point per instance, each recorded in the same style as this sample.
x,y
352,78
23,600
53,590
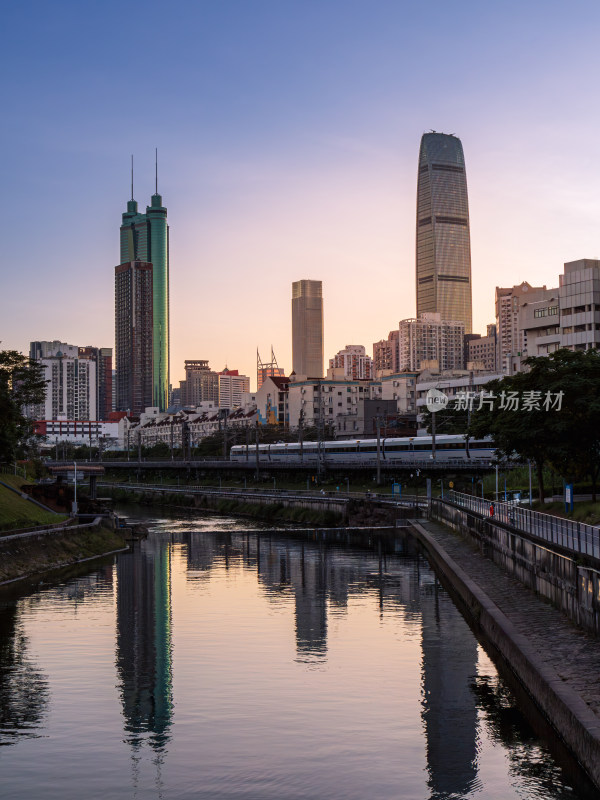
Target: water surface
x,y
214,662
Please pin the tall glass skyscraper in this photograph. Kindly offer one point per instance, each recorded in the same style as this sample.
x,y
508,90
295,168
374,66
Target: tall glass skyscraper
x,y
443,240
133,336
145,237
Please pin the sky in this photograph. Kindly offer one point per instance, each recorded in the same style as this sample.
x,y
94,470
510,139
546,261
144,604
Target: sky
x,y
288,135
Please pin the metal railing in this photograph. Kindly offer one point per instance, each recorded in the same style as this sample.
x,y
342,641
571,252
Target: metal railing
x,y
13,469
286,494
578,537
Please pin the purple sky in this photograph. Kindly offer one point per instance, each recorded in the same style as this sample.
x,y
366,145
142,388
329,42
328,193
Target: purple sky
x,y
288,137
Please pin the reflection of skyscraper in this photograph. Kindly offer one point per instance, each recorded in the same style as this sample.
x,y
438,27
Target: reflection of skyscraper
x,y
310,587
144,642
307,328
449,704
443,240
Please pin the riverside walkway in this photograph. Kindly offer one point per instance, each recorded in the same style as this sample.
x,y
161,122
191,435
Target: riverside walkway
x,y
566,658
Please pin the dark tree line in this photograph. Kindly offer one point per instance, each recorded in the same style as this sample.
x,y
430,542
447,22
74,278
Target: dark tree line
x,y
22,383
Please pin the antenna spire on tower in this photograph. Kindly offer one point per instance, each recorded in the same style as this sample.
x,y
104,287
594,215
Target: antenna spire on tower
x,y
132,176
156,168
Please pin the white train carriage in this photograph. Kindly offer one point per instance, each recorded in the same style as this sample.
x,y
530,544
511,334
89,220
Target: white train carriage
x,y
450,448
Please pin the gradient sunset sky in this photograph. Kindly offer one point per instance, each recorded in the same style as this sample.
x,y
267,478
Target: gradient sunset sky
x,y
288,136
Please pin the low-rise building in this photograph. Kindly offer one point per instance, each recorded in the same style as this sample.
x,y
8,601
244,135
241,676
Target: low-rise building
x,y
520,312
536,321
354,362
232,387
385,353
272,401
481,351
201,383
184,428
579,292
400,387
93,433
430,339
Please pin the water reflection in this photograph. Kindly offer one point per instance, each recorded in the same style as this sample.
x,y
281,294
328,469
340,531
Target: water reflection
x,y
537,769
23,687
318,573
144,642
449,704
417,717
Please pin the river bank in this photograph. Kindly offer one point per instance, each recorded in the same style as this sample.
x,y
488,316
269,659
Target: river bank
x,y
328,511
22,557
273,512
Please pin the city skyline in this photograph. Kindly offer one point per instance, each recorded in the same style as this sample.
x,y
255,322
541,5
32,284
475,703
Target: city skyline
x,y
288,166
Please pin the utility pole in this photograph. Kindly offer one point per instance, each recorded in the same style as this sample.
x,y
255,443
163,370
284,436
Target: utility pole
x,y
301,434
257,452
319,431
378,423
433,415
467,452
185,440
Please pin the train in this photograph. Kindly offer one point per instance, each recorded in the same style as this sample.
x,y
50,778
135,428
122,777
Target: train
x,y
409,449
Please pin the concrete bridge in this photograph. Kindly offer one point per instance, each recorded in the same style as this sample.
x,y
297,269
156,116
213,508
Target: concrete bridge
x,y
437,467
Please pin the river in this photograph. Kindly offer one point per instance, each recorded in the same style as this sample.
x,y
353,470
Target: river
x,y
216,661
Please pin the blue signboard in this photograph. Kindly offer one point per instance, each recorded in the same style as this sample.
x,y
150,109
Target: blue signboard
x,y
568,497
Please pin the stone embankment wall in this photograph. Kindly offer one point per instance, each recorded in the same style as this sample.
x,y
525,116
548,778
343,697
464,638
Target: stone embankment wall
x,y
566,581
25,555
326,511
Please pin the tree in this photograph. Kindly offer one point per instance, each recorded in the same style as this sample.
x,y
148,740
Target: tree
x,y
157,450
574,450
22,383
549,414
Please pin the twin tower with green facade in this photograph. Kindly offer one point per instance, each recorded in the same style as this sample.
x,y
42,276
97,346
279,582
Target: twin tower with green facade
x,y
145,238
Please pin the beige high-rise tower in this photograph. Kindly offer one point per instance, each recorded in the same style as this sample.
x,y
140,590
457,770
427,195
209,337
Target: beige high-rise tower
x,y
307,328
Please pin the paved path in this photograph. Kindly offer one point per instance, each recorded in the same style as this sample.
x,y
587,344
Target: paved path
x,y
571,652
